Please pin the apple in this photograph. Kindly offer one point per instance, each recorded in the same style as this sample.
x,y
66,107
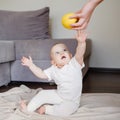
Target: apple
x,y
66,21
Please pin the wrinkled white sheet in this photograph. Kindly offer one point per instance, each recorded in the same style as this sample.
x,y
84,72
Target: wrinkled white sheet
x,y
94,106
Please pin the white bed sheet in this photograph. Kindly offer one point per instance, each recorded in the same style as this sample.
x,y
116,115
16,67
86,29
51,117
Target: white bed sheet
x,y
94,106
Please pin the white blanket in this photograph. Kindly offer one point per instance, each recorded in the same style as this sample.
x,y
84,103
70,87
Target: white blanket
x,y
94,106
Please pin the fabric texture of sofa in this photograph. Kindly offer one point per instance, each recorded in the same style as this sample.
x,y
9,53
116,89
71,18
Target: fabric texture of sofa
x,y
27,33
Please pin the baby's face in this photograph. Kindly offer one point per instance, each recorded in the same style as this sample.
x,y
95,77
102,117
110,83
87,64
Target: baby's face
x,y
60,55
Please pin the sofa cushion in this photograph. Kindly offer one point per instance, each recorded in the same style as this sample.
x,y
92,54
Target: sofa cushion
x,y
40,49
24,25
22,73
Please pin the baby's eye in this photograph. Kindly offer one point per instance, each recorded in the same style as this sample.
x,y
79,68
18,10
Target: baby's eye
x,y
65,50
57,53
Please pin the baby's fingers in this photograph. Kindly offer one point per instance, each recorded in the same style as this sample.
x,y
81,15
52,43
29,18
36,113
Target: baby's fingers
x,y
30,58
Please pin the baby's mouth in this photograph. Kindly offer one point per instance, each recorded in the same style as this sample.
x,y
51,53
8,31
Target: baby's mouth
x,y
63,57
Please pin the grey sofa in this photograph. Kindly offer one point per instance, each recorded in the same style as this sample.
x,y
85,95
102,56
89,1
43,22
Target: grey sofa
x,y
27,33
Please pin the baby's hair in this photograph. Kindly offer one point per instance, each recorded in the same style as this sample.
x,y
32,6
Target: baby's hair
x,y
58,43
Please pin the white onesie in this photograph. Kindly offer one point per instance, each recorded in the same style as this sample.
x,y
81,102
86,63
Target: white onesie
x,y
65,100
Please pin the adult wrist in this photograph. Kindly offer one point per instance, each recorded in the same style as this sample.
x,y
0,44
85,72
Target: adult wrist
x,y
95,2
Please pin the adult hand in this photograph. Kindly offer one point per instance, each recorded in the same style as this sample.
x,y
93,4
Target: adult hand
x,y
84,14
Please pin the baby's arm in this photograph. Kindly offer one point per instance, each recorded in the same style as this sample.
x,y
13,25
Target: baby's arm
x,y
81,47
35,70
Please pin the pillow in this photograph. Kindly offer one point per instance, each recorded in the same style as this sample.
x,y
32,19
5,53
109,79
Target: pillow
x,y
23,25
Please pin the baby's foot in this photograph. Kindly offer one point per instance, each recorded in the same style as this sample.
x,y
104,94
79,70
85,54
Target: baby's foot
x,y
41,110
23,105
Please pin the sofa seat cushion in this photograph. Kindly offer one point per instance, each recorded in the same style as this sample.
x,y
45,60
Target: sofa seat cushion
x,y
22,73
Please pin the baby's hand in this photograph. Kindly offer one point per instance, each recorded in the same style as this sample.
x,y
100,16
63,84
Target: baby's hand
x,y
26,61
81,36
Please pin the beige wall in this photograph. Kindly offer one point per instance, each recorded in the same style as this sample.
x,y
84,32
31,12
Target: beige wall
x,y
104,27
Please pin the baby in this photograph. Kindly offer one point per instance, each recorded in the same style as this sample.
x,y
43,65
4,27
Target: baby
x,y
66,73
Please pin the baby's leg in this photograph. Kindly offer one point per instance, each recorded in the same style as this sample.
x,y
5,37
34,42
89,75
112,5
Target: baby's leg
x,y
41,110
23,106
66,108
43,97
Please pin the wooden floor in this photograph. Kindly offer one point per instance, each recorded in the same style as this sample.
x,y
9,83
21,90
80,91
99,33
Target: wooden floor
x,y
99,81
96,81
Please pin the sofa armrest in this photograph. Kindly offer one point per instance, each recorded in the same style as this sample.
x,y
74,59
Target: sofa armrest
x,y
7,52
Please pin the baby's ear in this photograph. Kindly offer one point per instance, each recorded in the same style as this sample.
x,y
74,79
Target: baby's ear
x,y
70,55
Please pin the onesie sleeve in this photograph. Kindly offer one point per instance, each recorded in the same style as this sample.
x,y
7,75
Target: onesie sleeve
x,y
48,72
75,62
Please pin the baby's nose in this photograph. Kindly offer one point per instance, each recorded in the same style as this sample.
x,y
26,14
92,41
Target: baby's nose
x,y
61,52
